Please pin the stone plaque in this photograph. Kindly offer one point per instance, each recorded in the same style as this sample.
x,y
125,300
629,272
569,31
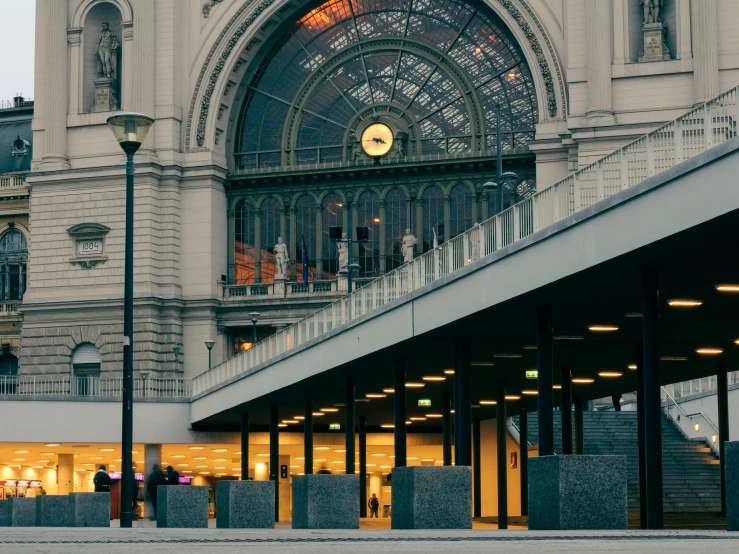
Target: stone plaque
x,y
89,246
105,95
655,45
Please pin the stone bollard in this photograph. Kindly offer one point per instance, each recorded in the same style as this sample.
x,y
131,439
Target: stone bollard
x,y
245,504
180,506
4,513
326,501
22,512
731,455
52,511
429,497
577,492
89,509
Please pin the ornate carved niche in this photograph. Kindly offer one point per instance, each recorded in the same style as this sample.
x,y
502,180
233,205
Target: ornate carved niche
x,y
89,244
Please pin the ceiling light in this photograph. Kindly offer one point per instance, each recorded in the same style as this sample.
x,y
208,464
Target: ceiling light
x,y
388,391
18,460
339,450
427,460
529,347
47,453
557,387
488,402
291,467
582,380
282,425
362,400
411,458
375,395
632,367
220,460
330,410
107,450
204,472
337,462
449,372
219,467
220,450
183,465
603,328
204,458
318,414
508,355
633,315
387,426
674,358
418,419
201,467
413,385
321,448
684,303
195,448
52,444
339,405
378,454
42,461
300,458
21,451
178,456
513,397
434,378
290,421
610,374
299,417
85,465
568,337
530,392
376,220
709,351
262,454
727,288
96,457
136,451
434,416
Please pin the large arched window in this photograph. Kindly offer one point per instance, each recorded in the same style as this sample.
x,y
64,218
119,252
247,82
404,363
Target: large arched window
x,y
432,216
13,256
305,235
436,67
460,209
333,216
270,232
245,242
396,222
369,216
8,374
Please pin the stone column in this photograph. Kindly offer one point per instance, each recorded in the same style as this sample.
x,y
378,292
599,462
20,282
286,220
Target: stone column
x,y
65,474
704,16
55,94
598,41
144,74
292,245
231,238
319,242
258,246
152,456
383,238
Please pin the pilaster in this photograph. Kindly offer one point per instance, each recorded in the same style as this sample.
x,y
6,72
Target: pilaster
x,y
598,40
56,91
704,19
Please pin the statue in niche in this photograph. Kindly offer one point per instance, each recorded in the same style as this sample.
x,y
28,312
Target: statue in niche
x,y
343,250
651,11
106,51
281,259
408,246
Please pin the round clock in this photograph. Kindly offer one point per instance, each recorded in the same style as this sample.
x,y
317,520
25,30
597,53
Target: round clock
x,y
377,140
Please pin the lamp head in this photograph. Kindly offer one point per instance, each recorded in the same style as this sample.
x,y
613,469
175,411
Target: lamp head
x,y
254,316
130,129
209,344
176,350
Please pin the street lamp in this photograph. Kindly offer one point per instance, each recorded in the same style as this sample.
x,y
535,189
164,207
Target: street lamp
x,y
130,130
502,178
254,317
176,351
209,344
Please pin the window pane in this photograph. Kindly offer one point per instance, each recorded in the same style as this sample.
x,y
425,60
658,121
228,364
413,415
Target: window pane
x,y
396,222
433,216
244,243
333,215
369,216
270,227
305,235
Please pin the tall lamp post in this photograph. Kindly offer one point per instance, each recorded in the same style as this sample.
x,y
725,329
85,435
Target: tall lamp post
x,y
130,130
502,178
209,344
254,316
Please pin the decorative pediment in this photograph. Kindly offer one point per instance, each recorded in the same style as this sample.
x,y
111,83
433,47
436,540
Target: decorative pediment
x,y
88,230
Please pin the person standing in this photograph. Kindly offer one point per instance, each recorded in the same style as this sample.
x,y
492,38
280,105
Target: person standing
x,y
102,480
173,477
156,479
374,506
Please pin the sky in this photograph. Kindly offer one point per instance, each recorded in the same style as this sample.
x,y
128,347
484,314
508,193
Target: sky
x,y
16,44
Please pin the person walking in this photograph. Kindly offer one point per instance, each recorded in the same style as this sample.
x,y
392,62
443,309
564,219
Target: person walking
x,y
173,478
156,478
374,505
102,480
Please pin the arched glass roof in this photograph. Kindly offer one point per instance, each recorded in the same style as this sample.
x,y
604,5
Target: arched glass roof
x,y
440,65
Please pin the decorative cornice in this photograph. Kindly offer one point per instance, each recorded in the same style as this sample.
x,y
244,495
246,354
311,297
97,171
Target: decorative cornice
x,y
209,5
88,230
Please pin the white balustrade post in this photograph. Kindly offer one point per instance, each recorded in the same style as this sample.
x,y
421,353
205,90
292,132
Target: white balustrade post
x,y
708,125
498,232
650,154
516,222
577,192
481,242
736,111
678,139
556,207
466,237
599,180
535,210
624,168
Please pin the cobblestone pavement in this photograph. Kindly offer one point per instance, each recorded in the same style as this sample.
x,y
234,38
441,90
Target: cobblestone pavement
x,y
185,541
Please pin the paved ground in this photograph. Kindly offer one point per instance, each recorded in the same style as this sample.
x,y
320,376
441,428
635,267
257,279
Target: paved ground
x,y
186,541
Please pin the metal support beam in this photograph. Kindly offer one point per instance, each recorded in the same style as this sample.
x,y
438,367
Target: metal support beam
x,y
362,466
524,461
274,455
578,425
545,363
400,413
308,434
349,410
502,433
244,447
642,444
652,400
476,470
723,426
566,409
446,429
462,368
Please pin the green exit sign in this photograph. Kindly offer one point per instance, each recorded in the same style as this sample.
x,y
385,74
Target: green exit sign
x,y
532,374
424,403
334,426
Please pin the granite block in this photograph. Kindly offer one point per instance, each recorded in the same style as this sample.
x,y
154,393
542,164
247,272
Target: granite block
x,y
430,497
245,504
89,509
22,512
731,461
326,501
52,511
183,506
577,492
4,513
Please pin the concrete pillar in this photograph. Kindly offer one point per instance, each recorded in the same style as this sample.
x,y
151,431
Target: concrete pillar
x,y
476,470
152,456
578,425
244,447
463,409
349,416
704,19
274,455
545,362
640,437
65,474
566,380
362,466
55,94
399,399
523,462
144,47
598,40
308,434
502,455
446,422
723,426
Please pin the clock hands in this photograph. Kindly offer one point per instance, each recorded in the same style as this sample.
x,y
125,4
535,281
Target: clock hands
x,y
377,140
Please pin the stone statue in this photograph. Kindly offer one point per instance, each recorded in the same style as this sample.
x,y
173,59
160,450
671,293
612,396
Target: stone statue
x,y
651,10
343,249
407,247
106,52
281,259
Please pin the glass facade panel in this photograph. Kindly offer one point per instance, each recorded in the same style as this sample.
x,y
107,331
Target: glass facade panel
x,y
333,216
433,216
460,209
369,216
396,222
305,236
270,231
244,242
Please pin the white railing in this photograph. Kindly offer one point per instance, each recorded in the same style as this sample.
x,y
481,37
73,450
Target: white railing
x,y
333,287
7,181
92,386
699,130
9,308
694,425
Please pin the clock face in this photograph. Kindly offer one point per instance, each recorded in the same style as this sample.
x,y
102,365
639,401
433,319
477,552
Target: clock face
x,y
377,140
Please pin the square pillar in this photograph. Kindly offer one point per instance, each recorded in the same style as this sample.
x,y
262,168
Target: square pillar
x,y
429,497
22,512
52,511
731,451
89,509
245,504
182,507
326,501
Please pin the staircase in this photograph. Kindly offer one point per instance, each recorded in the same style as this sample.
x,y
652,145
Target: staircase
x,y
690,470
